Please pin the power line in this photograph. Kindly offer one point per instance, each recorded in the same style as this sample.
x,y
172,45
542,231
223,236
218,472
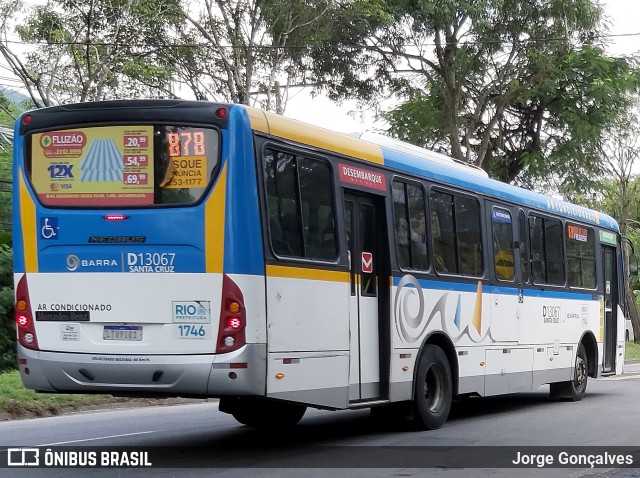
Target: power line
x,y
355,45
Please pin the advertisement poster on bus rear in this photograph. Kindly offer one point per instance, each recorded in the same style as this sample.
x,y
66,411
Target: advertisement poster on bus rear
x,y
110,165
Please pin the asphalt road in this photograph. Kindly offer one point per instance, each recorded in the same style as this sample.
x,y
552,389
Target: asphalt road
x,y
201,441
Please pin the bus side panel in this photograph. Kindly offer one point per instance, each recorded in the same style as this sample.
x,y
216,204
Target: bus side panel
x,y
422,307
553,322
308,336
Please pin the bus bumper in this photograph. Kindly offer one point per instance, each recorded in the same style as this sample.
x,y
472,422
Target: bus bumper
x,y
237,373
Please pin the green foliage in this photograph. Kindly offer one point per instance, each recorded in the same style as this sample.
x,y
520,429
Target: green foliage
x,y
7,329
250,52
522,89
103,49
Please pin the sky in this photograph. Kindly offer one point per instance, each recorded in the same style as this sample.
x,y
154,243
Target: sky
x,y
346,118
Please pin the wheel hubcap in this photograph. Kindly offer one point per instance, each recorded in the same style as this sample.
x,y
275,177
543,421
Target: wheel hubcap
x,y
434,388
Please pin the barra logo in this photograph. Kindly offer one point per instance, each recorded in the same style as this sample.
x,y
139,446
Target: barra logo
x,y
23,457
74,263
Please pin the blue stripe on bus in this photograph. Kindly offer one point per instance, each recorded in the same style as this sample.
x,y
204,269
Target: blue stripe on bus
x,y
243,235
18,250
491,187
488,289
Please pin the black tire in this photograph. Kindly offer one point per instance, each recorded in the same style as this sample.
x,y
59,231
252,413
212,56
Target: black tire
x,y
433,389
575,389
266,414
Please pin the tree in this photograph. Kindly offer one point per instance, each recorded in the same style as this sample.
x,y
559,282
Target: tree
x,y
89,50
249,49
515,87
621,155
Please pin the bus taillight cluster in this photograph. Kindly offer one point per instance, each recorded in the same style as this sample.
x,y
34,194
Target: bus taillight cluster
x,y
24,317
233,319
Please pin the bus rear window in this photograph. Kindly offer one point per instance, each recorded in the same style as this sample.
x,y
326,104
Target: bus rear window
x,y
122,166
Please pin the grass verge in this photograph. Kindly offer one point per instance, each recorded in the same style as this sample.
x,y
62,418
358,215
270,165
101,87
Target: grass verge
x,y
19,402
631,351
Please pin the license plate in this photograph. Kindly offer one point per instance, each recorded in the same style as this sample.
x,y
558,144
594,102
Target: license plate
x,y
122,332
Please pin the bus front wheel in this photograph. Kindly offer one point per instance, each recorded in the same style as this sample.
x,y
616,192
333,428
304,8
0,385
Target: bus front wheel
x,y
433,389
574,389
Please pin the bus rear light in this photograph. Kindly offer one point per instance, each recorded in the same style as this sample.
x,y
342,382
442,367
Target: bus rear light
x,y
234,323
24,317
115,217
221,113
26,119
233,318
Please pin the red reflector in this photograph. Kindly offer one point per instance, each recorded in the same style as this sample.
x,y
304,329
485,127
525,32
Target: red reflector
x,y
234,323
221,113
238,365
22,361
26,119
115,217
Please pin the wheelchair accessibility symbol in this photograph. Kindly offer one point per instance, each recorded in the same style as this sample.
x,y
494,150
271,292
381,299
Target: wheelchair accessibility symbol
x,y
49,228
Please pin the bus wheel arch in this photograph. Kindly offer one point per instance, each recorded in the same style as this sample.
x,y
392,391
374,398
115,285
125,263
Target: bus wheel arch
x,y
588,341
574,389
435,382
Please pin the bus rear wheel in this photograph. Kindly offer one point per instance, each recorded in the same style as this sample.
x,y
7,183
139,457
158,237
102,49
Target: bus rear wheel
x,y
433,389
574,389
261,413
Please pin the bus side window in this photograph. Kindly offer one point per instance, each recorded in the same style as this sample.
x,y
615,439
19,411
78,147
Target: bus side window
x,y
502,229
410,224
524,247
300,205
547,257
456,234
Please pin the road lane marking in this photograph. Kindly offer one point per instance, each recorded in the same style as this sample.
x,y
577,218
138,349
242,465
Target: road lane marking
x,y
99,438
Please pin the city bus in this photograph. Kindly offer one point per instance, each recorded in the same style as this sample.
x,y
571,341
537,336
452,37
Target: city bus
x,y
197,249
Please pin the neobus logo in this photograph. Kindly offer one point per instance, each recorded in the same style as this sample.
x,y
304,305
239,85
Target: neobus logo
x,y
76,139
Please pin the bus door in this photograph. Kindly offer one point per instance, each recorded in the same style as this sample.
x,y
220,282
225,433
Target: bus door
x,y
369,258
609,332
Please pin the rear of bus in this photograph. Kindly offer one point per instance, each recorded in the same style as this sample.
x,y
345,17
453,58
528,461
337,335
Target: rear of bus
x,y
119,245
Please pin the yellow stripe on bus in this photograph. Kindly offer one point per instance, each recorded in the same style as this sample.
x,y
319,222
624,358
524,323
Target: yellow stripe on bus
x,y
29,230
258,120
303,133
214,224
304,273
